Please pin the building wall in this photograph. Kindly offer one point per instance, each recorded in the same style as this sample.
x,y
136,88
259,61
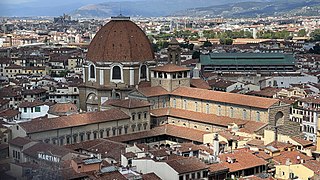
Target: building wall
x,y
282,171
54,136
33,114
220,109
161,169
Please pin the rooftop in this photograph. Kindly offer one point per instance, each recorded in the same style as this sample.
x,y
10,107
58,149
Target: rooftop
x,y
247,59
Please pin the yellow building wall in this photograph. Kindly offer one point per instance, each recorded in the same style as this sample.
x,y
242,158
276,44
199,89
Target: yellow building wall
x,y
283,171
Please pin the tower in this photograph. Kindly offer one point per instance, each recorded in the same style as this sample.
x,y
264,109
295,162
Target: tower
x,y
174,52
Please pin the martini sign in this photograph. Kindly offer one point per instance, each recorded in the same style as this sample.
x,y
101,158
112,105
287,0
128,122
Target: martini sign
x,y
47,157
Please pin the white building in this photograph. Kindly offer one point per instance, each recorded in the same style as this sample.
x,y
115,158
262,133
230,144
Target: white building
x,y
31,110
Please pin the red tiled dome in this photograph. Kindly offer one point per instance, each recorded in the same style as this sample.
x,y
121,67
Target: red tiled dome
x,y
120,41
62,109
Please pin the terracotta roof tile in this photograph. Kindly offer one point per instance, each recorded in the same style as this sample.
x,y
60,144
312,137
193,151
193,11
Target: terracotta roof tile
x,y
303,142
73,120
313,165
153,91
63,109
107,148
244,160
31,104
217,167
199,83
120,40
197,116
187,164
292,156
20,141
9,113
170,68
150,176
130,103
231,98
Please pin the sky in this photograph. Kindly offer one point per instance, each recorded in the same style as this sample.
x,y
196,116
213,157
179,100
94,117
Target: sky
x,y
44,7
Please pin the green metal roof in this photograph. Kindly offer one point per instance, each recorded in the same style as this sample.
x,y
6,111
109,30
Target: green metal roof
x,y
247,59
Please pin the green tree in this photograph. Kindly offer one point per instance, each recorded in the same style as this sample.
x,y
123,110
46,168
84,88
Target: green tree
x,y
302,33
196,55
315,35
207,44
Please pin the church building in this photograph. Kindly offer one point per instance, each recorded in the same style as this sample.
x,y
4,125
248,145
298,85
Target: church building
x,y
118,58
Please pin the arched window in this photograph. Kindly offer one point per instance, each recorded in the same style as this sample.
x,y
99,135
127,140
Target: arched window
x,y
116,73
143,72
92,71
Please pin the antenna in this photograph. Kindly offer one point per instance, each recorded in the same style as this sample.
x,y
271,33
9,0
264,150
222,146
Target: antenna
x,y
120,10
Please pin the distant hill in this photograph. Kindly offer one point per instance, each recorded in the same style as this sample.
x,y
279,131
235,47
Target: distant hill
x,y
145,8
254,9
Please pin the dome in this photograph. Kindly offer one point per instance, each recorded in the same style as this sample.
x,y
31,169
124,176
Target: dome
x,y
120,40
63,109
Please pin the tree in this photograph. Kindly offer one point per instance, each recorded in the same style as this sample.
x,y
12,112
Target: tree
x,y
315,35
302,33
196,55
207,44
315,49
226,41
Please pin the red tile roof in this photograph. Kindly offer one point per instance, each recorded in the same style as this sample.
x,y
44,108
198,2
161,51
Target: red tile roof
x,y
130,103
187,164
313,165
243,160
303,142
230,98
199,83
197,116
20,141
153,91
170,68
292,156
73,120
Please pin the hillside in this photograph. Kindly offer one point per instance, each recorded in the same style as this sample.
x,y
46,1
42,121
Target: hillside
x,y
145,8
254,9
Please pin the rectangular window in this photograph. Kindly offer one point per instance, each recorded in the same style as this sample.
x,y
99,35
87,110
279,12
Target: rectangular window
x,y
120,131
94,135
37,109
231,112
258,116
68,140
88,136
133,116
196,104
125,130
108,133
81,137
74,139
31,109
61,141
25,109
101,134
244,114
145,115
139,116
113,132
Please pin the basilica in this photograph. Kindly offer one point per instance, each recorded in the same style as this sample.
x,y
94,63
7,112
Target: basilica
x,y
119,57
